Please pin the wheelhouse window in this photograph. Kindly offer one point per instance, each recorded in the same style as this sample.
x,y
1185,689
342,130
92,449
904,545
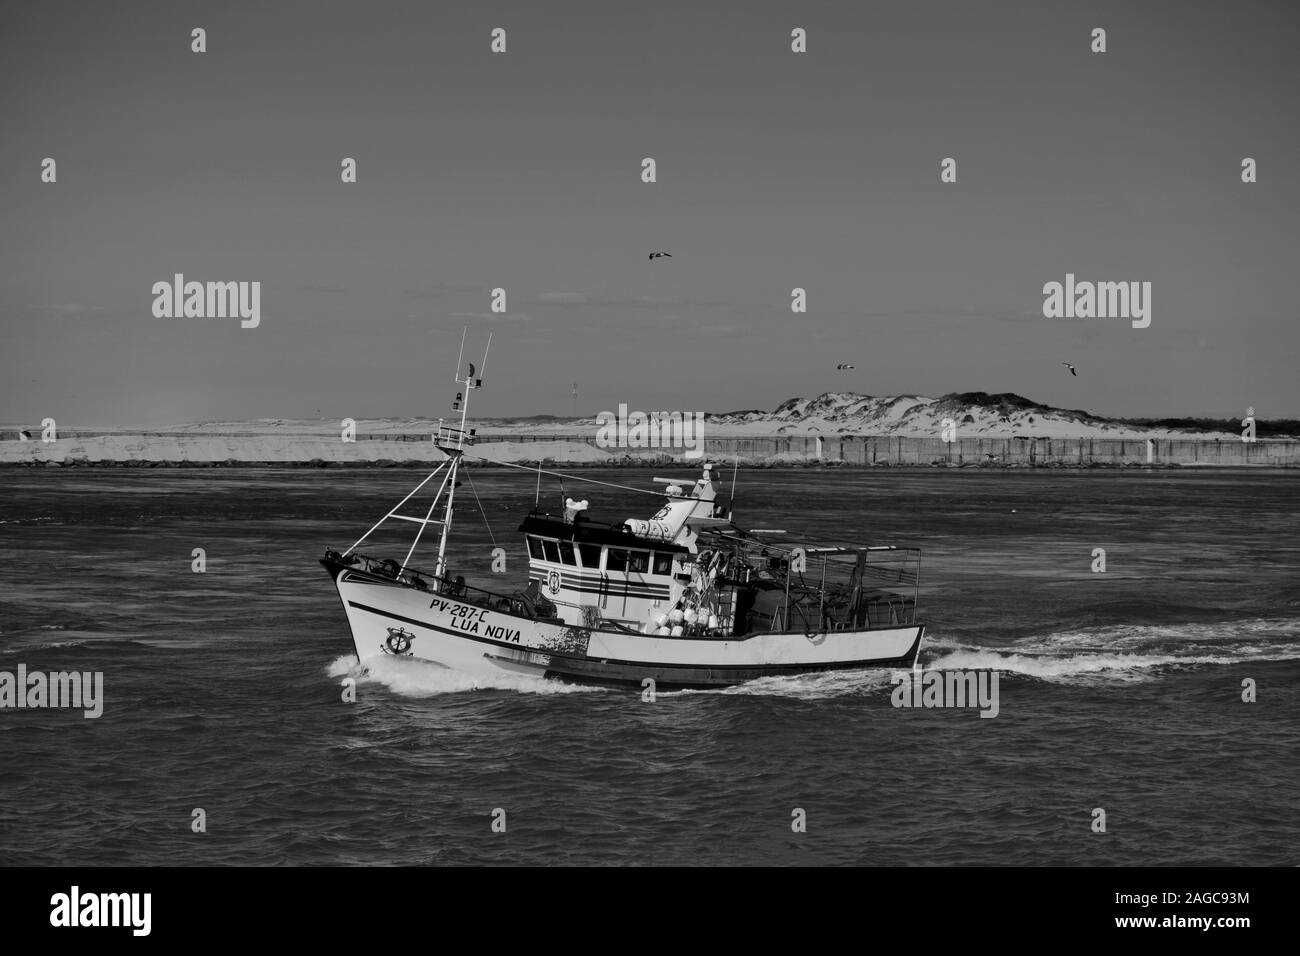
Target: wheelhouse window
x,y
566,553
552,552
663,563
534,547
590,555
638,561
616,560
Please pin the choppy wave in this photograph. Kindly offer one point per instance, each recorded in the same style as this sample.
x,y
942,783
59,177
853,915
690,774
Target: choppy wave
x,y
36,648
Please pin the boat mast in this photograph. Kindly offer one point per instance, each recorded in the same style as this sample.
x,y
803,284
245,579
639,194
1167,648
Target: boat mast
x,y
453,440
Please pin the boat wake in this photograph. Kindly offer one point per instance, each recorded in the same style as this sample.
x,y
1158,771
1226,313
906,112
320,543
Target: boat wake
x,y
818,686
1124,653
1093,656
412,678
1096,656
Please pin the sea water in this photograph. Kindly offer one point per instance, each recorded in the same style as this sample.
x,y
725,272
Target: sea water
x,y
223,690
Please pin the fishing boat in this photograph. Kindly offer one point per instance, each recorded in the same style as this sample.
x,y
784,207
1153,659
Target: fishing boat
x,y
685,598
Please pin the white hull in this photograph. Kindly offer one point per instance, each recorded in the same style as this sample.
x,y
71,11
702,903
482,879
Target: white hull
x,y
387,617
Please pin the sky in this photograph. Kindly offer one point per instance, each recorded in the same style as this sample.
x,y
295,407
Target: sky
x,y
522,170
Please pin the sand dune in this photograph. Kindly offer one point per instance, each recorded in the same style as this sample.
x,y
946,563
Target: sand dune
x,y
831,415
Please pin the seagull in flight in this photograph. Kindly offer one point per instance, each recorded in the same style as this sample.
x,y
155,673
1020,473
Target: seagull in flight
x,y
1070,367
657,255
841,368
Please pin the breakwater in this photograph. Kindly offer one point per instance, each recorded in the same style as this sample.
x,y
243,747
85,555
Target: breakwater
x,y
198,448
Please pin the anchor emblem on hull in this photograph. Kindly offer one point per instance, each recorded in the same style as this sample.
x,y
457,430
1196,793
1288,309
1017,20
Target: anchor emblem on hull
x,y
398,642
553,582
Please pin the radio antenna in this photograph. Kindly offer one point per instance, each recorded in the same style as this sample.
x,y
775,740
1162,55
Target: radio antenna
x,y
463,333
485,355
731,505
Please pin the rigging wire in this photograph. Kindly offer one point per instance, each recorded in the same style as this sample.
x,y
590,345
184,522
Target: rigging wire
x,y
486,523
593,481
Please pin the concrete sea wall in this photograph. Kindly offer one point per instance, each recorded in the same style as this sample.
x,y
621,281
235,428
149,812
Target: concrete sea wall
x,y
185,448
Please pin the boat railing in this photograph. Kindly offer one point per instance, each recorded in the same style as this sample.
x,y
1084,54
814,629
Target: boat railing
x,y
836,589
875,615
451,436
521,604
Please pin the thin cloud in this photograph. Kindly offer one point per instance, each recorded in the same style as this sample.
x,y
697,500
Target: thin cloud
x,y
439,289
68,310
579,300
966,314
494,316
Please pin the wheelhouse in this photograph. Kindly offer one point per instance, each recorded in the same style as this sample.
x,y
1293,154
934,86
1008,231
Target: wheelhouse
x,y
600,572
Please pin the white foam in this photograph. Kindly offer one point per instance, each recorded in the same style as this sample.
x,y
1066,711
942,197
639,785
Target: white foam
x,y
817,686
1125,653
1113,654
408,677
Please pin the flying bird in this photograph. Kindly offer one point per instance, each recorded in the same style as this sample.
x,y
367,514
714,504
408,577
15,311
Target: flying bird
x,y
840,368
1070,367
656,255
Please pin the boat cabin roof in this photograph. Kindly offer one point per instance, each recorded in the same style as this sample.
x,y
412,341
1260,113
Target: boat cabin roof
x,y
550,526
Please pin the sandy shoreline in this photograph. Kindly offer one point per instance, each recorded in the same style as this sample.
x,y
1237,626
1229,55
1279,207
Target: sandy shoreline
x,y
840,429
